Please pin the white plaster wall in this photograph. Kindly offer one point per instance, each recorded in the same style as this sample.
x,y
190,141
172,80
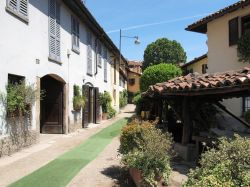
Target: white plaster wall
x,y
221,56
22,43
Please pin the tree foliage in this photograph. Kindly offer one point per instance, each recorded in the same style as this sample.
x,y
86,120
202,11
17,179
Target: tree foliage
x,y
163,51
244,48
228,165
157,74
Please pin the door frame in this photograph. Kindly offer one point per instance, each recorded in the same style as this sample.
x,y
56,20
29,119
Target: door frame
x,y
65,104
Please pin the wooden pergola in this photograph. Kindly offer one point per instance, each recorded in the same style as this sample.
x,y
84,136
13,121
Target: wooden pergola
x,y
200,88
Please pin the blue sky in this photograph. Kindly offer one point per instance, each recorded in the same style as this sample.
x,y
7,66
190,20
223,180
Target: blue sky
x,y
175,15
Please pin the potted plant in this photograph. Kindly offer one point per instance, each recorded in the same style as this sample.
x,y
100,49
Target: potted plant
x,y
105,102
78,99
148,164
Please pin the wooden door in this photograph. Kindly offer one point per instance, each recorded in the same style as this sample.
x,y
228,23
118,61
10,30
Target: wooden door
x,y
52,106
85,112
97,106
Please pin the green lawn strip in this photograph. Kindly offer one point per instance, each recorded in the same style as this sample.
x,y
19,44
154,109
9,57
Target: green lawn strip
x,y
61,171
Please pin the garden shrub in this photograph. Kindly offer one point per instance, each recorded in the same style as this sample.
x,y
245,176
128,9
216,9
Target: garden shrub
x,y
19,99
111,112
137,100
227,165
123,98
105,101
244,48
78,99
147,149
157,74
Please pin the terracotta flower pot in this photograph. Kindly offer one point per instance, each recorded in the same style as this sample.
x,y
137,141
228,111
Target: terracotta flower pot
x,y
104,116
136,175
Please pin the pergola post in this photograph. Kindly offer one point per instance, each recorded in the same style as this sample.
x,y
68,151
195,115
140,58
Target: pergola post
x,y
186,120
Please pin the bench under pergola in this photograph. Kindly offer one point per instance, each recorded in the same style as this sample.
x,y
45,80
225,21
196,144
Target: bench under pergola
x,y
201,88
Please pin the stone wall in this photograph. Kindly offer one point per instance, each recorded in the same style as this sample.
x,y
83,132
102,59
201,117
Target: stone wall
x,y
10,145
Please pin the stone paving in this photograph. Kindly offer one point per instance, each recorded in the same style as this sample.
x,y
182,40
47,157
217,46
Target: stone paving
x,y
50,147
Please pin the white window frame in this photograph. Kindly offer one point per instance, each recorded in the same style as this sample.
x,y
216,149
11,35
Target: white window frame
x,y
55,54
18,10
75,31
89,53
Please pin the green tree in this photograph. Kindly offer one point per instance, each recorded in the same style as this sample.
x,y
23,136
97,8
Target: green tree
x,y
157,74
163,51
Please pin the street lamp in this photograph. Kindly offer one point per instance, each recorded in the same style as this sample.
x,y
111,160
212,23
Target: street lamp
x,y
137,42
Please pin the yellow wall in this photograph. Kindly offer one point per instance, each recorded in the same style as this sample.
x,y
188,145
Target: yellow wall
x,y
136,87
115,85
197,66
221,56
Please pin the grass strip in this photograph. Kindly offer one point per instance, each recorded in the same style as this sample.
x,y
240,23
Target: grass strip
x,y
61,171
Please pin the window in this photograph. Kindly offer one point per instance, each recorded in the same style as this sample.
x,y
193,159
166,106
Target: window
x,y
105,64
204,68
18,8
233,31
54,31
190,71
89,54
15,79
115,71
246,104
99,54
245,24
122,81
75,35
131,82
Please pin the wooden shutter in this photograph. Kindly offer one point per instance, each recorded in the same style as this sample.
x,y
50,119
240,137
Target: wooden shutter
x,y
97,106
13,4
105,65
99,54
233,31
89,54
54,30
58,33
23,7
85,112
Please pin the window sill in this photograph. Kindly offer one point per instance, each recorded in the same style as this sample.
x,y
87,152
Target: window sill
x,y
17,15
76,50
90,74
57,61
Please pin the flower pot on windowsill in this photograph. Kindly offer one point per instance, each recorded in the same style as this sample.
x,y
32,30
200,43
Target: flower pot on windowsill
x,y
104,116
136,175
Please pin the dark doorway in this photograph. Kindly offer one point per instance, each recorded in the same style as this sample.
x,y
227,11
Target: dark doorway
x,y
51,106
91,111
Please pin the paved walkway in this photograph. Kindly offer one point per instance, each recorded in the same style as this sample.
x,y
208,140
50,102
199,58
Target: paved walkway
x,y
50,147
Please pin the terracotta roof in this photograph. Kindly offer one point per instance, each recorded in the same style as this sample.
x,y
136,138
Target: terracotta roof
x,y
196,84
135,63
201,25
194,61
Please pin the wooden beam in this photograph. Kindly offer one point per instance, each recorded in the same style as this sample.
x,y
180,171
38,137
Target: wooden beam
x,y
186,120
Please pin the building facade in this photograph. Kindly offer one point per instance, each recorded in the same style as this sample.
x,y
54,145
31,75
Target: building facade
x,y
198,65
54,45
134,75
223,29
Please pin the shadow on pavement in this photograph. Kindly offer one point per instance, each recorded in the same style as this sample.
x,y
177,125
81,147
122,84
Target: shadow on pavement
x,y
120,175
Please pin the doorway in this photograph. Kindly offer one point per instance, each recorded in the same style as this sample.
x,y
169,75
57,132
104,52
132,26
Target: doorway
x,y
91,111
51,106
